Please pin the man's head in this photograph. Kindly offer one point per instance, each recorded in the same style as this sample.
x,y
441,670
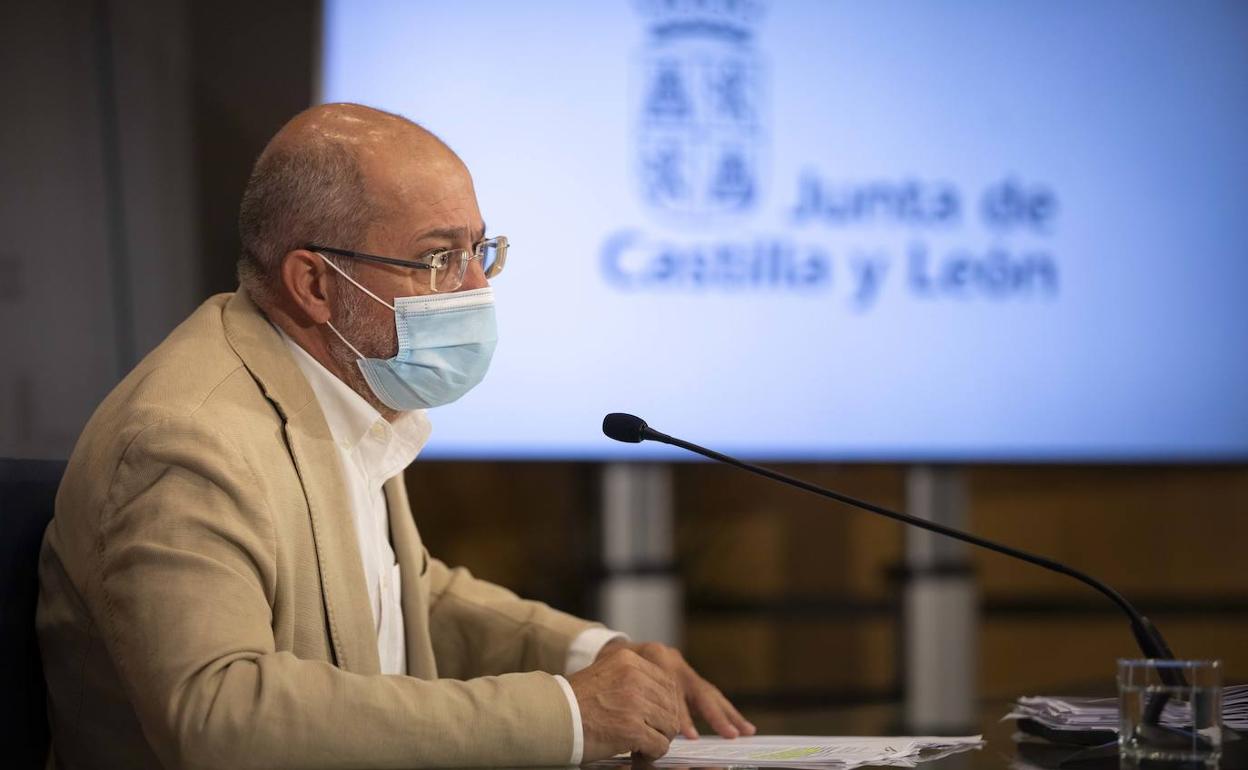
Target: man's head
x,y
349,177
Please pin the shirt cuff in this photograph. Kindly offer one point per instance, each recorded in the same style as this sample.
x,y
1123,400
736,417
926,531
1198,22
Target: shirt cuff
x,y
586,646
578,732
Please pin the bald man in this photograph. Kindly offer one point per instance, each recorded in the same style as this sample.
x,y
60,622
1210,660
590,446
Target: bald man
x,y
233,577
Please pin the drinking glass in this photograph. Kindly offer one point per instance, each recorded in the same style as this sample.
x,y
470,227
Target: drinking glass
x,y
1169,712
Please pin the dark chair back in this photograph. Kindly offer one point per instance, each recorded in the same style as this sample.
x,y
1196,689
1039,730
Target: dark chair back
x,y
27,495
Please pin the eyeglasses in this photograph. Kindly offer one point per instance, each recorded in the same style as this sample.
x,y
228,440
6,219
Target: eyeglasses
x,y
446,268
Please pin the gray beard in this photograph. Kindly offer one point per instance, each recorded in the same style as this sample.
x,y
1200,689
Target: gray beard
x,y
370,339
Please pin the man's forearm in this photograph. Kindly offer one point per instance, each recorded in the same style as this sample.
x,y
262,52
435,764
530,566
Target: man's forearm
x,y
280,711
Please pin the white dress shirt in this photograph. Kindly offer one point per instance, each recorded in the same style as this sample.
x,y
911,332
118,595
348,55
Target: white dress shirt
x,y
372,450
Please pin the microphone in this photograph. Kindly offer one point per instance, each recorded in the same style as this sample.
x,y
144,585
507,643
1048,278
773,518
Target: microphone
x,y
630,429
633,430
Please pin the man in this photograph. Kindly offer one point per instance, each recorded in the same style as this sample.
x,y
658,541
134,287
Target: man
x,y
233,577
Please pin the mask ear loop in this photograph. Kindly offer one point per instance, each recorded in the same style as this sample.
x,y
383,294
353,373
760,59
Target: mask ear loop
x,y
357,353
354,350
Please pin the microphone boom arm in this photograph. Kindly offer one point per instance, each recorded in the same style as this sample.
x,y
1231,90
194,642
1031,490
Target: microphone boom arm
x,y
1146,634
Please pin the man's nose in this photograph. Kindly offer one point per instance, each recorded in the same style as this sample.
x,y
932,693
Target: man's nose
x,y
474,278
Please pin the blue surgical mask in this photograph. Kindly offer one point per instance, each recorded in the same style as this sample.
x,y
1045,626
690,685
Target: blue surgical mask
x,y
445,345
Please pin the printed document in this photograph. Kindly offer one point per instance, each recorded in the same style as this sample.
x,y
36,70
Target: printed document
x,y
809,751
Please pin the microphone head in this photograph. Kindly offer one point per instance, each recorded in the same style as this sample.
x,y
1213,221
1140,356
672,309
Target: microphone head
x,y
624,427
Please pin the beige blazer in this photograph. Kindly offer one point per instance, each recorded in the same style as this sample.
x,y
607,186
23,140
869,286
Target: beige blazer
x,y
203,603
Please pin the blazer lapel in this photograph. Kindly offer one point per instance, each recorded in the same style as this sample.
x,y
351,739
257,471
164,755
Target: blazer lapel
x,y
350,619
413,563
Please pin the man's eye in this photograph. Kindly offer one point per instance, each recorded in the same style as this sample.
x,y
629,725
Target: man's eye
x,y
435,259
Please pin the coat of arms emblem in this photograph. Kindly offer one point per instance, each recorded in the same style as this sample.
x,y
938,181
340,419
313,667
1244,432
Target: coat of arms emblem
x,y
700,119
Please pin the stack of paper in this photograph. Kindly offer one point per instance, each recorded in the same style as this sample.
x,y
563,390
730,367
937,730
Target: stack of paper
x,y
1235,706
1065,713
809,752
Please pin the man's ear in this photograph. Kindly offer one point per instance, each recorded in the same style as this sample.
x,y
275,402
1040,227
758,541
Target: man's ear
x,y
306,283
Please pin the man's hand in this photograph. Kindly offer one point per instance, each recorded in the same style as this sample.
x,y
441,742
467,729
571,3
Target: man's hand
x,y
696,695
627,704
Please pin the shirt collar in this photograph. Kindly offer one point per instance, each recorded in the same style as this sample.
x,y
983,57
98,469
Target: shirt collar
x,y
386,448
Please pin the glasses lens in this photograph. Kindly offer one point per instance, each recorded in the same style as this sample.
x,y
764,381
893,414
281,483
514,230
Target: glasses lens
x,y
493,254
447,274
449,271
489,255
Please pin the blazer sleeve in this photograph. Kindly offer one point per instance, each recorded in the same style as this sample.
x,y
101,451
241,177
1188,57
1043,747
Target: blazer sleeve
x,y
184,582
478,628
